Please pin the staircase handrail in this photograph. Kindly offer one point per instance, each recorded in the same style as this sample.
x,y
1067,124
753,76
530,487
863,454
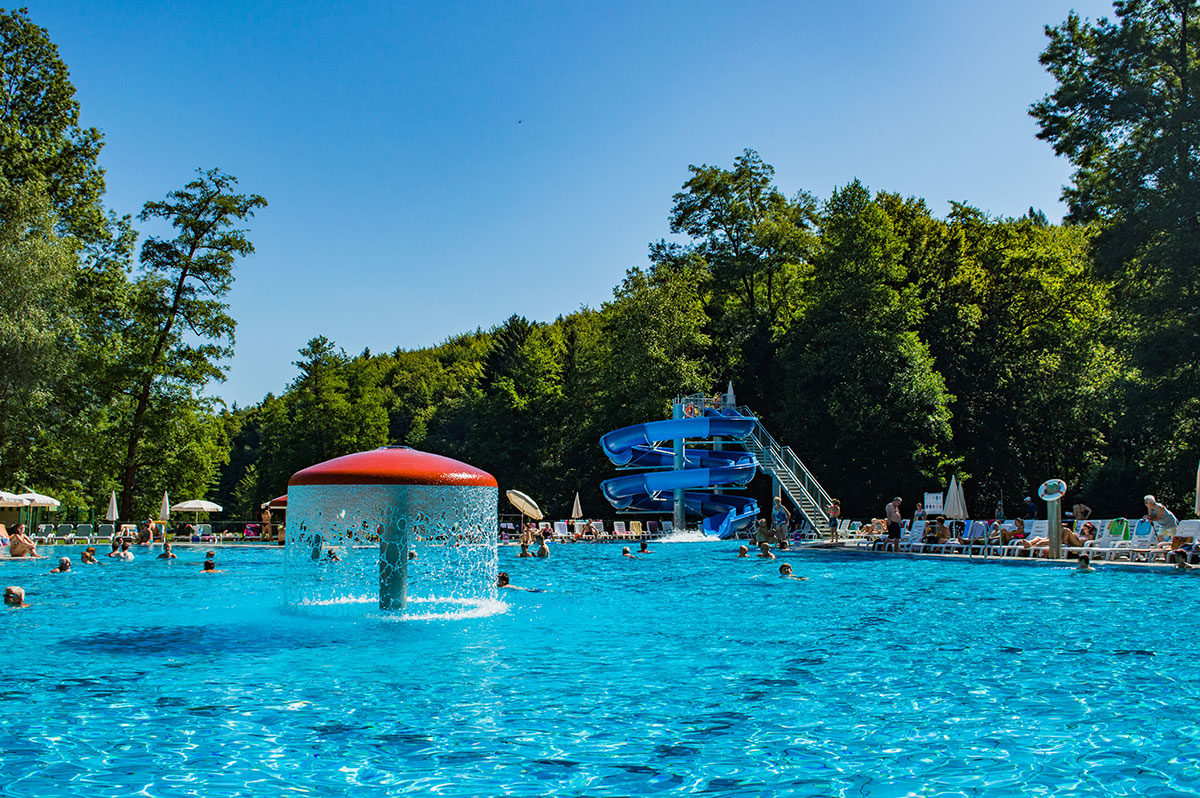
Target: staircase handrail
x,y
786,457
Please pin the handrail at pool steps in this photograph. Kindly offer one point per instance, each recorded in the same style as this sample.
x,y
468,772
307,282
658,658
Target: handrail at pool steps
x,y
794,477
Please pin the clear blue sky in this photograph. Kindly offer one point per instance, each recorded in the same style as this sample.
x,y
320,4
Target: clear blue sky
x,y
436,167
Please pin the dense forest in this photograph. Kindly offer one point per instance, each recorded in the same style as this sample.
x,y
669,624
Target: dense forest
x,y
890,347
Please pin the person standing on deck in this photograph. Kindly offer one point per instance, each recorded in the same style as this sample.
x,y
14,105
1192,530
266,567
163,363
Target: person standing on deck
x,y
892,511
1030,509
781,518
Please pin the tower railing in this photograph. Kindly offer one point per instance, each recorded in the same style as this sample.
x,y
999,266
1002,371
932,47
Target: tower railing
x,y
794,477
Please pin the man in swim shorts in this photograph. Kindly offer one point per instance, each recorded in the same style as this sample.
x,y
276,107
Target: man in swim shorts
x,y
892,511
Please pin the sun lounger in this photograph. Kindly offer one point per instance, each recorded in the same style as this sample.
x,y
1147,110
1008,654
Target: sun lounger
x,y
912,541
104,533
65,533
636,527
561,530
84,531
668,526
619,529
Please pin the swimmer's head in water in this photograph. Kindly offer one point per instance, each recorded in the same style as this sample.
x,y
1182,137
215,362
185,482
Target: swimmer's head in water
x,y
1084,561
14,596
64,563
785,569
625,550
412,555
743,550
645,546
209,565
764,547
502,579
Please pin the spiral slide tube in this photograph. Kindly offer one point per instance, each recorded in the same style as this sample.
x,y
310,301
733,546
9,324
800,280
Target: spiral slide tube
x,y
636,446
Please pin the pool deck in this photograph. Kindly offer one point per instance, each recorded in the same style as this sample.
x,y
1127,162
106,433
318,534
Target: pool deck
x,y
861,551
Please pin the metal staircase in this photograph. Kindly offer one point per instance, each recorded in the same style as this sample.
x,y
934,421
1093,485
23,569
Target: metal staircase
x,y
793,476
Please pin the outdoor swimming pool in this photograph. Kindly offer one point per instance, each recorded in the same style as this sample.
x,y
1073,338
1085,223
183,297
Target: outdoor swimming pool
x,y
685,672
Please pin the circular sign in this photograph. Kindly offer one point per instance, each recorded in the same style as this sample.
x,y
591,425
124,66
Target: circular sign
x,y
1053,489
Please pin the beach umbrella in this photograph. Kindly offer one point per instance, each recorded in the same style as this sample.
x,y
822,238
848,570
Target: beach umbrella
x,y
111,515
1197,507
576,510
196,506
12,500
278,503
956,503
38,500
164,511
526,505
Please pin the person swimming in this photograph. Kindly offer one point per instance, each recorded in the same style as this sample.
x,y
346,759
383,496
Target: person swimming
x,y
644,548
625,553
524,551
88,557
64,565
785,571
1085,564
764,551
167,554
210,567
502,583
14,596
743,551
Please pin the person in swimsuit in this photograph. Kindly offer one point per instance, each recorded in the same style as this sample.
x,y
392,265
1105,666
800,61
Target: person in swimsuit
x,y
19,544
88,557
14,596
892,511
64,565
764,551
834,511
781,518
743,551
1158,513
785,570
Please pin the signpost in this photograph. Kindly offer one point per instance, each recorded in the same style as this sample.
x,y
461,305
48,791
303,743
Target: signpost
x,y
1052,490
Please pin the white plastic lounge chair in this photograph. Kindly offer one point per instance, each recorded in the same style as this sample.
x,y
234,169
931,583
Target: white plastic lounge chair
x,y
560,529
912,541
580,528
619,528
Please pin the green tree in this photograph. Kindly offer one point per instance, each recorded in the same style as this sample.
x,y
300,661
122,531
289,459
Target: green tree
x,y
863,401
1126,112
179,327
41,140
753,245
37,331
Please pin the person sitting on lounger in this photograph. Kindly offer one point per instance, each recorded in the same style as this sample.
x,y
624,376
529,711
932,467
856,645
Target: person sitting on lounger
x,y
19,544
937,532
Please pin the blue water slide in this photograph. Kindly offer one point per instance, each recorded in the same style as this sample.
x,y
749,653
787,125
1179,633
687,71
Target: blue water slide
x,y
653,491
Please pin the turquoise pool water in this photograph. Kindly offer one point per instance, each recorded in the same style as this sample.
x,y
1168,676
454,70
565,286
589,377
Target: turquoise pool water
x,y
685,672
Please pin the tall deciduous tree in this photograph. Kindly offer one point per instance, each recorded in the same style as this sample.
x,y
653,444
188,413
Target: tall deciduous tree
x,y
180,327
41,139
1126,112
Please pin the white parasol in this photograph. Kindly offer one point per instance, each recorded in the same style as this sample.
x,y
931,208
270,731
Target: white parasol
x,y
196,506
12,500
38,500
111,515
576,510
526,505
164,511
956,503
1197,507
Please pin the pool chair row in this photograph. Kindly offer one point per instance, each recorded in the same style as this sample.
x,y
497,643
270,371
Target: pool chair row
x,y
1116,539
53,534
